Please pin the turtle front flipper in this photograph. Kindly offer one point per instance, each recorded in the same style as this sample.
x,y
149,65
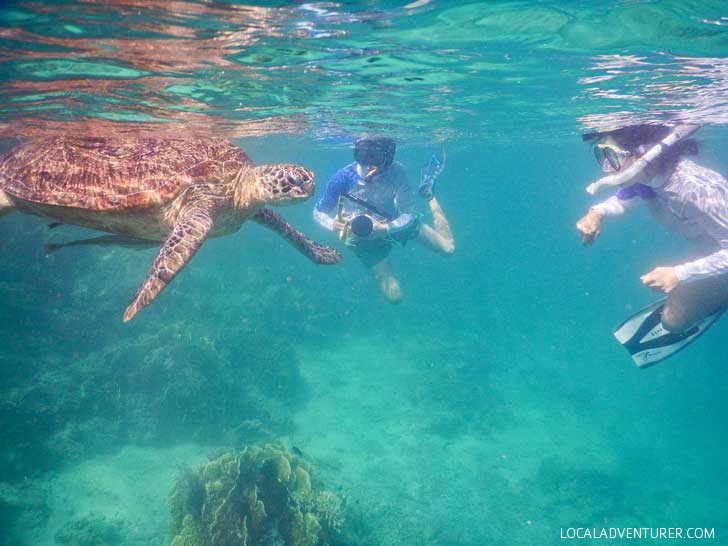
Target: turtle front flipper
x,y
317,253
189,232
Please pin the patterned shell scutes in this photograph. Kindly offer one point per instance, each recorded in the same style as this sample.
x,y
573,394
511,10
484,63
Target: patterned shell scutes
x,y
118,173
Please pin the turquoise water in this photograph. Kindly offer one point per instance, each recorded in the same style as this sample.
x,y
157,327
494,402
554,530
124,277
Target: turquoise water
x,y
492,406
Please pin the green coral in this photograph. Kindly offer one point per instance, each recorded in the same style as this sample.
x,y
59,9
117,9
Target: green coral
x,y
190,533
259,496
188,497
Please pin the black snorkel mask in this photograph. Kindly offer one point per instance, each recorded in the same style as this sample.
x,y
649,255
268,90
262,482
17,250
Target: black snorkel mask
x,y
374,155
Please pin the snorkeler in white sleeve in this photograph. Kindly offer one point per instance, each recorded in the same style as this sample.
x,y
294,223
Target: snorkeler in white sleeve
x,y
651,164
370,205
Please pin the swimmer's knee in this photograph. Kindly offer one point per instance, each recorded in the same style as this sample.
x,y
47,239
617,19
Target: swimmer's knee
x,y
394,299
394,294
390,289
673,321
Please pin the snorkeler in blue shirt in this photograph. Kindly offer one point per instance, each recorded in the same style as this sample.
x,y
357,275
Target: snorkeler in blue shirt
x,y
370,205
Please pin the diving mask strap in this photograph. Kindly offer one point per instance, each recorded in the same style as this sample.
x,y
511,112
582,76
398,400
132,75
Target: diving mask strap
x,y
681,132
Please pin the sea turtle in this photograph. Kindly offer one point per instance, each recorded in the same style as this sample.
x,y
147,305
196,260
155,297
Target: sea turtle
x,y
150,190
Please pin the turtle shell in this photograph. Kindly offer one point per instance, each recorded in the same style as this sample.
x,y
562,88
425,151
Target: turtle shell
x,y
116,174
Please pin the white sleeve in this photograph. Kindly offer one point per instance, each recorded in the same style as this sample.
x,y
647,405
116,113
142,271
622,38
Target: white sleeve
x,y
712,216
323,219
614,206
710,266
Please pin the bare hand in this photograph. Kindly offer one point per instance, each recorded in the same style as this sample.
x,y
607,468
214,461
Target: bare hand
x,y
340,224
379,229
589,227
341,227
661,279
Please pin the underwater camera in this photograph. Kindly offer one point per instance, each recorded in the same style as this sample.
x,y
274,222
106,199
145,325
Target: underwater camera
x,y
361,225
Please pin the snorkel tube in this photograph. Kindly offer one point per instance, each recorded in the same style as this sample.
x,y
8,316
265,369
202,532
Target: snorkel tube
x,y
628,176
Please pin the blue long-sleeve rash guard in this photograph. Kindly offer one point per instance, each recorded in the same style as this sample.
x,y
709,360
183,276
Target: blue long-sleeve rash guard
x,y
388,192
339,184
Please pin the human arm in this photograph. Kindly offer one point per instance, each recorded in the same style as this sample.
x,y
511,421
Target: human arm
x,y
325,212
404,202
709,266
324,220
665,279
590,226
708,210
661,279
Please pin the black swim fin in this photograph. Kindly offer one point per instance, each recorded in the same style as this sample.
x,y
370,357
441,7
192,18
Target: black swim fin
x,y
647,340
429,175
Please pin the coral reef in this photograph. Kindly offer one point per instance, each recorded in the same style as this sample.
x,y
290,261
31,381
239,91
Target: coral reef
x,y
215,363
75,382
154,389
92,531
259,496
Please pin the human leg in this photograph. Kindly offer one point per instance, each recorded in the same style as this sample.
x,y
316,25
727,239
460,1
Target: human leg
x,y
374,255
386,281
440,238
690,303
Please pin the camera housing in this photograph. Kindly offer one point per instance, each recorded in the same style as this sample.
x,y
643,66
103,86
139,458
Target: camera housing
x,y
361,226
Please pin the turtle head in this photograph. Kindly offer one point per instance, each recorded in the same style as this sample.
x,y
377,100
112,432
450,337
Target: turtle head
x,y
275,184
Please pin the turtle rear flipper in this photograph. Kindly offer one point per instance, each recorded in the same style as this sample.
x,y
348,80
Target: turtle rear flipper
x,y
189,232
104,240
315,252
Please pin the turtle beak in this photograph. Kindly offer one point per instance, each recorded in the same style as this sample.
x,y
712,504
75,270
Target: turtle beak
x,y
297,183
302,179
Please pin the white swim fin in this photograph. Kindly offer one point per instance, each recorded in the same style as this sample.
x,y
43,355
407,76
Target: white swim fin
x,y
648,342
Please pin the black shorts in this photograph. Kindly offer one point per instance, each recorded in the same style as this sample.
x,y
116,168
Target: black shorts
x,y
373,251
